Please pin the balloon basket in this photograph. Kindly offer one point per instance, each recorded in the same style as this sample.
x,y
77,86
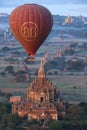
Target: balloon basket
x,y
31,58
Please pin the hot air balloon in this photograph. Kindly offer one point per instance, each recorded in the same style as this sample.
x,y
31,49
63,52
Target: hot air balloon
x,y
31,24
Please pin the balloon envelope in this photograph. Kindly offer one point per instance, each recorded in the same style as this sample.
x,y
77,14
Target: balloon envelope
x,y
31,24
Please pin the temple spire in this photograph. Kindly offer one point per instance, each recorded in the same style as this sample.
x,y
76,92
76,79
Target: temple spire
x,y
41,72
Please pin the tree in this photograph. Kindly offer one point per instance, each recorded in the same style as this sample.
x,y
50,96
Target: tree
x,y
9,69
8,121
3,110
20,76
13,120
70,51
55,125
5,49
50,65
76,65
3,74
84,106
74,112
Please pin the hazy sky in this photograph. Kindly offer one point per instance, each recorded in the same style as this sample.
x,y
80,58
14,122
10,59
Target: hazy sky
x,y
61,7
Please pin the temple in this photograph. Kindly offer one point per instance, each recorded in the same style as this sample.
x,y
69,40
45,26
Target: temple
x,y
42,100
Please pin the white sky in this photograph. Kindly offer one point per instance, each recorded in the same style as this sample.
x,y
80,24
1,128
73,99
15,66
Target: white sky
x,y
60,7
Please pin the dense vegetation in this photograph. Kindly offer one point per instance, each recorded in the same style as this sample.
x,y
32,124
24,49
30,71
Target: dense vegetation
x,y
19,76
76,119
8,121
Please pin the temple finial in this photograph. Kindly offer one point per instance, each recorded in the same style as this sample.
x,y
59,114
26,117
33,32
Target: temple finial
x,y
41,72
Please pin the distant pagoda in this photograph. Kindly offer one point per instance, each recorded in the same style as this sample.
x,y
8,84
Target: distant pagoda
x,y
42,100
68,20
